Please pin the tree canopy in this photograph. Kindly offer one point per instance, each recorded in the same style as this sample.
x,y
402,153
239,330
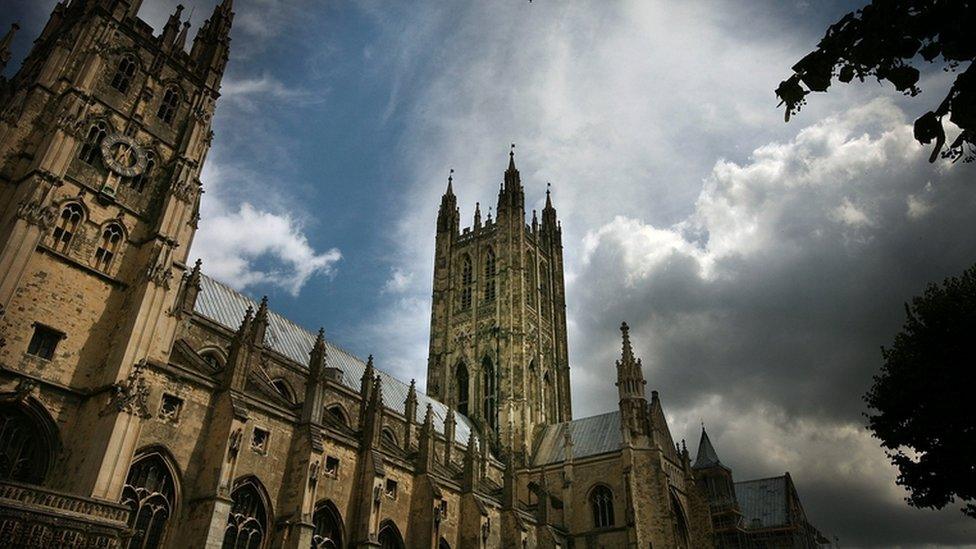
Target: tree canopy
x,y
921,406
886,40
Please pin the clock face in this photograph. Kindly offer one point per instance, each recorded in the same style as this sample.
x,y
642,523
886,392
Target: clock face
x,y
122,155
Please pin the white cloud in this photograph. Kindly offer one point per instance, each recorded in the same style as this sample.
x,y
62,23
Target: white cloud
x,y
398,282
243,245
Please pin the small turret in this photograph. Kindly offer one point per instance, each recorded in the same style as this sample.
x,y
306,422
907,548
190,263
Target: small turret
x,y
472,461
260,323
477,215
366,389
410,413
312,406
373,420
634,417
211,45
511,197
171,29
425,444
448,220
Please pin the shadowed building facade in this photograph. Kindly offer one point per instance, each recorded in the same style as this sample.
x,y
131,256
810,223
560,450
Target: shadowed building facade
x,y
145,404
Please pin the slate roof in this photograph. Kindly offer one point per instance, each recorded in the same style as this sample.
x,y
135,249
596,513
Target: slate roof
x,y
763,502
226,306
706,456
591,436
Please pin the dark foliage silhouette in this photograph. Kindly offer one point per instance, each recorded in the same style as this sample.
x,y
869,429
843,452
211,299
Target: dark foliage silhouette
x,y
884,40
921,407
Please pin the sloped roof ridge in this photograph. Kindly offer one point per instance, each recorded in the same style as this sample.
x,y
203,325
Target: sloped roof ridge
x,y
224,305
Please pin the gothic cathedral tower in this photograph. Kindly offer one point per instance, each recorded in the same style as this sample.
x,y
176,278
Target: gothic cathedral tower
x,y
498,350
103,132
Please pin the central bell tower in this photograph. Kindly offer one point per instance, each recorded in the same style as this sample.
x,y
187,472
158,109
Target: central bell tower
x,y
498,350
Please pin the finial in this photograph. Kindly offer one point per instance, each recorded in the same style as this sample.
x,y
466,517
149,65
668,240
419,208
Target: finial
x,y
511,158
628,351
369,363
320,339
450,183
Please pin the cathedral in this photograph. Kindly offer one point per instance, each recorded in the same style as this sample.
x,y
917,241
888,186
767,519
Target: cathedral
x,y
146,405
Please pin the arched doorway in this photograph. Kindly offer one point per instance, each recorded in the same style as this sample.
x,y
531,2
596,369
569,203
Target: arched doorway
x,y
247,523
328,527
390,537
28,439
150,492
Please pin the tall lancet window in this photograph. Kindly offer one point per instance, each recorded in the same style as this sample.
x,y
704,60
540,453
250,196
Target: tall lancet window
x,y
530,285
549,398
601,501
461,379
149,493
467,282
489,402
490,275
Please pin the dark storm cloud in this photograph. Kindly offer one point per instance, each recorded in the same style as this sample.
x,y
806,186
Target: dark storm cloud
x,y
763,312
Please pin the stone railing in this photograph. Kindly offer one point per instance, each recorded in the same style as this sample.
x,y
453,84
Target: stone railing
x,y
35,517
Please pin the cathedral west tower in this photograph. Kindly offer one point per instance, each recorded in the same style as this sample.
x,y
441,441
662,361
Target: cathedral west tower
x,y
498,350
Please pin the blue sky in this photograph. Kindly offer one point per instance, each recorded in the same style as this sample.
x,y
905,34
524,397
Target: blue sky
x,y
760,264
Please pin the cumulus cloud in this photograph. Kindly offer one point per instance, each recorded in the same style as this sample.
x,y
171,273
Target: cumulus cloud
x,y
244,245
762,311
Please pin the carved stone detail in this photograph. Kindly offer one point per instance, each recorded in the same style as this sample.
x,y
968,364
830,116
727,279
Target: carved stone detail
x,y
130,396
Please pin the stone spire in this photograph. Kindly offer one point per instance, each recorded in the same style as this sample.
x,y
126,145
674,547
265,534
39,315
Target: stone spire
x,y
477,215
472,462
630,377
635,421
211,45
5,45
448,219
365,389
706,455
511,197
191,288
373,420
180,43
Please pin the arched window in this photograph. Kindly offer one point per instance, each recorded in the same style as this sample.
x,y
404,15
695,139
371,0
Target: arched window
x,y
489,408
390,537
108,246
150,495
680,524
124,72
490,275
530,285
328,527
145,176
443,544
467,282
283,389
213,359
91,147
337,414
389,437
247,524
535,398
67,227
601,501
25,452
461,379
169,105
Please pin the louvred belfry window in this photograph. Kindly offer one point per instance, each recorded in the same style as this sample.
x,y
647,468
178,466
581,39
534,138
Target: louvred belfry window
x,y
91,147
67,227
108,246
169,105
124,72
